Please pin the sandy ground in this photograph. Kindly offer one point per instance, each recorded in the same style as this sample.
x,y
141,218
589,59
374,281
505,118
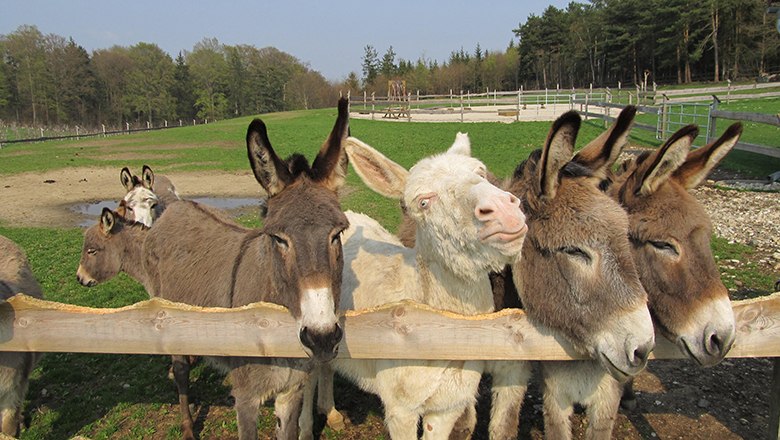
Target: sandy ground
x,y
47,199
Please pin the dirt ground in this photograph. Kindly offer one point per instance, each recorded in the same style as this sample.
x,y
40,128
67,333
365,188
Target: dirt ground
x,y
677,400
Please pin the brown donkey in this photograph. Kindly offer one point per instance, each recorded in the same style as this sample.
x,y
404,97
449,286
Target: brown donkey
x,y
195,256
577,278
670,236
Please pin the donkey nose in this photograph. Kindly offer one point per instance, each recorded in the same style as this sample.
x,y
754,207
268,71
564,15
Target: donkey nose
x,y
637,357
499,204
324,346
717,343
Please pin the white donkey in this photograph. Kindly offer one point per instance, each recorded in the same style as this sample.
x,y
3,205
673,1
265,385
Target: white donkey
x,y
146,196
466,227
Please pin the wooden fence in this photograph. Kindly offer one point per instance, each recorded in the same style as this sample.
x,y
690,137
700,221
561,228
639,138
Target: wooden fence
x,y
396,331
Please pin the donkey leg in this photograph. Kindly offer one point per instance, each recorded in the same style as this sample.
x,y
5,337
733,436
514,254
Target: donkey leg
x,y
11,419
602,409
401,423
628,399
325,402
510,382
465,425
558,407
438,425
181,375
287,408
306,421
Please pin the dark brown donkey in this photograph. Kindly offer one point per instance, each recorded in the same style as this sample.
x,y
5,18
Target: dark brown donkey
x,y
194,255
670,236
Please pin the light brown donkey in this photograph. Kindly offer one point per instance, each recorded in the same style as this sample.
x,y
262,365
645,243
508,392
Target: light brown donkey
x,y
577,278
195,256
670,237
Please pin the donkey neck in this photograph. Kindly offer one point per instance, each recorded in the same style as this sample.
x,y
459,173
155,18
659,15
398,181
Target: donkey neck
x,y
132,238
443,287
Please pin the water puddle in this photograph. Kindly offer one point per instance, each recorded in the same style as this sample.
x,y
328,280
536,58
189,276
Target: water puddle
x,y
91,211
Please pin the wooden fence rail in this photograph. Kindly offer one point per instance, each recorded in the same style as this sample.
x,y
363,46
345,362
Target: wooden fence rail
x,y
397,331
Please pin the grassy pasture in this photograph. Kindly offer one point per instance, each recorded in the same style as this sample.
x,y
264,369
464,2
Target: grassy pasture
x,y
123,396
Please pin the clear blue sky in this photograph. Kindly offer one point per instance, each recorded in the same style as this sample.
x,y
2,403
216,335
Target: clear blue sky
x,y
330,36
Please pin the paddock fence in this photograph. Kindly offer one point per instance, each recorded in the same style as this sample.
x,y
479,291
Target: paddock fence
x,y
403,330
12,134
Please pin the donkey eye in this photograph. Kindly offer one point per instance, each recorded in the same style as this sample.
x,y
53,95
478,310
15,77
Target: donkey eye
x,y
279,241
576,252
91,251
336,237
664,246
424,203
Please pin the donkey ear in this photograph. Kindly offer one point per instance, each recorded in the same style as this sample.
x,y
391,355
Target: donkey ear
x,y
601,153
377,171
461,145
700,162
270,171
659,166
557,152
330,165
107,221
148,177
126,178
121,210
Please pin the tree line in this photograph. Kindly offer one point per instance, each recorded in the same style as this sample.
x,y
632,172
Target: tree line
x,y
51,80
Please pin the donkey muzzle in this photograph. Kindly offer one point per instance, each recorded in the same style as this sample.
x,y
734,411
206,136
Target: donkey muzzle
x,y
321,345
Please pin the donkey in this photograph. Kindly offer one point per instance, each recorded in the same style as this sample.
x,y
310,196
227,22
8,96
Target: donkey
x,y
196,256
15,367
466,227
148,195
670,236
577,279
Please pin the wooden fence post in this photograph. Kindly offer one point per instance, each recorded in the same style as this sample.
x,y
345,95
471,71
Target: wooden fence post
x,y
373,104
712,120
461,106
774,403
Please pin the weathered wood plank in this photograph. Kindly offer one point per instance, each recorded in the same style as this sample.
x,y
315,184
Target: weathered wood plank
x,y
403,330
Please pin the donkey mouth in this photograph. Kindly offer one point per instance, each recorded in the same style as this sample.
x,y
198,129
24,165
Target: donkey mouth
x,y
497,232
614,371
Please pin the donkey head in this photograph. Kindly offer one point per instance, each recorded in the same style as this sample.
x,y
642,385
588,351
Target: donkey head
x,y
104,253
142,203
458,214
577,276
670,236
302,231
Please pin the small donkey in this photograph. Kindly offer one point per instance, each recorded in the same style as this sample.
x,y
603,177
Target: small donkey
x,y
147,196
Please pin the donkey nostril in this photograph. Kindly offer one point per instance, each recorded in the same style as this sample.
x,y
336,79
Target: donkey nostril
x,y
714,344
485,211
641,354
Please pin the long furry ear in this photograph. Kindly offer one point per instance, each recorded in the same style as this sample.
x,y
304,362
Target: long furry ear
x,y
601,153
126,178
702,161
107,221
659,166
270,171
377,171
461,145
148,177
330,165
557,152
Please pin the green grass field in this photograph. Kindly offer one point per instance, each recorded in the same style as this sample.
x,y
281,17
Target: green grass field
x,y
123,396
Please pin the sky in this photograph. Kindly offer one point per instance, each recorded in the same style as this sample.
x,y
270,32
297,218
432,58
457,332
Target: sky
x,y
329,36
